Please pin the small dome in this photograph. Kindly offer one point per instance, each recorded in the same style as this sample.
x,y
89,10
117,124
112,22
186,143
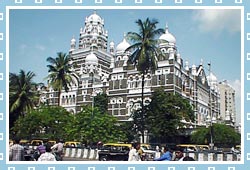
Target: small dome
x,y
112,44
122,46
94,18
91,59
168,37
212,78
212,81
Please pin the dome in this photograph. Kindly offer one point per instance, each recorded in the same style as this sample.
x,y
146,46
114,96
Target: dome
x,y
212,81
212,78
168,37
94,18
122,46
91,59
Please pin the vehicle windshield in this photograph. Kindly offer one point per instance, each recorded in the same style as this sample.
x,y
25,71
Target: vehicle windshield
x,y
147,147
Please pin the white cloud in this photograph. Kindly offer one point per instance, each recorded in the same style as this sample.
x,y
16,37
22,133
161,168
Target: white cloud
x,y
40,47
218,20
23,46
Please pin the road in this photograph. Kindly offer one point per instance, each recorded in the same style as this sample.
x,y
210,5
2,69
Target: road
x,y
77,159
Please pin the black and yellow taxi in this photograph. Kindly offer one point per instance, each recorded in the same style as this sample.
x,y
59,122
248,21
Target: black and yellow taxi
x,y
114,152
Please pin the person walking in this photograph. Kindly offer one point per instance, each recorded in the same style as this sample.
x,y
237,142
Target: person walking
x,y
167,156
133,153
41,148
58,147
16,152
47,156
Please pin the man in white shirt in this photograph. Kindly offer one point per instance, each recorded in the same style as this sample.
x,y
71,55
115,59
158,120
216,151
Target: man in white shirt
x,y
47,156
133,153
59,149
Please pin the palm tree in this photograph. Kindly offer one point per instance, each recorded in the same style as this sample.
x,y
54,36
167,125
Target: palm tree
x,y
60,75
22,94
145,50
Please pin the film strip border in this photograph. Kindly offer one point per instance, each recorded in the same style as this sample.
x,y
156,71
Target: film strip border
x,y
89,166
126,2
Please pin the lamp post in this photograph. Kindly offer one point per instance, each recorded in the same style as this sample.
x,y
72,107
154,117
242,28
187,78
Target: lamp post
x,y
210,108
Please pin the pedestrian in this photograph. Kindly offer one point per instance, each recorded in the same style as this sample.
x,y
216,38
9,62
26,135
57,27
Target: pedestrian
x,y
16,152
188,158
167,155
41,148
133,153
47,156
59,149
179,154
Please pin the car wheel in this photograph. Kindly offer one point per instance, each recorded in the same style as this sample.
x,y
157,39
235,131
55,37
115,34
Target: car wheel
x,y
103,158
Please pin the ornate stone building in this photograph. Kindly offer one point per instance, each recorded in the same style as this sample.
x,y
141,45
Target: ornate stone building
x,y
102,69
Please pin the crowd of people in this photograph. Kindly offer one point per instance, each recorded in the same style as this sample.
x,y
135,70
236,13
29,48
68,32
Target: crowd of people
x,y
168,154
17,153
44,151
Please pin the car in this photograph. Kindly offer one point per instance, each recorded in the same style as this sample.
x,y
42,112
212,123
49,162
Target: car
x,y
24,142
35,142
238,147
203,147
188,147
148,154
114,152
72,144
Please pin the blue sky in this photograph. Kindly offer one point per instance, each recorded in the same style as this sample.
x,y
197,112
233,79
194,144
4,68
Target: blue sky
x,y
213,35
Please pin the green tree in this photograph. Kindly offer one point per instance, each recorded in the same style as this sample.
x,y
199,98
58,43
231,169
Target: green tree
x,y
223,136
145,49
60,75
22,94
101,102
165,112
96,127
50,122
130,131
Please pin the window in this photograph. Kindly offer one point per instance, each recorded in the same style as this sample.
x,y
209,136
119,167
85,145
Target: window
x,y
158,79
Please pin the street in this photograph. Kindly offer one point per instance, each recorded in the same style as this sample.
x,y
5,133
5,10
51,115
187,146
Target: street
x,y
77,159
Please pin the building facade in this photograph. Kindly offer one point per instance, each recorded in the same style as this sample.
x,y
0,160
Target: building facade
x,y
227,107
100,67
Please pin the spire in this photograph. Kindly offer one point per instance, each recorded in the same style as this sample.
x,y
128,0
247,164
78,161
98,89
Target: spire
x,y
201,62
166,31
73,43
124,36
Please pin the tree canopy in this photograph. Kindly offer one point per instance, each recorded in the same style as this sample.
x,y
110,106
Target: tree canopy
x,y
60,75
47,122
55,122
22,94
165,112
101,102
223,135
145,50
96,127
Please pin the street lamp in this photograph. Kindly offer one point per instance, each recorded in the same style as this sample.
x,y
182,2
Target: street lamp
x,y
210,118
210,126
